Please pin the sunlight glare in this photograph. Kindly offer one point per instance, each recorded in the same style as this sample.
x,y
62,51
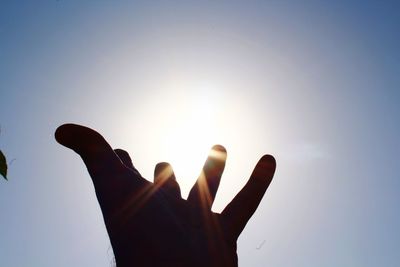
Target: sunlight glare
x,y
192,135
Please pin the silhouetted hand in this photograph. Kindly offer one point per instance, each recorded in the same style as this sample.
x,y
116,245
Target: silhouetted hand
x,y
149,224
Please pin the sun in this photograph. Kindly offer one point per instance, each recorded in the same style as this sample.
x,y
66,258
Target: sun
x,y
188,144
191,134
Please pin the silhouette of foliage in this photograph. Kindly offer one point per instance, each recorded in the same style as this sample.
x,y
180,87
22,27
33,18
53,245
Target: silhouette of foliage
x,y
3,165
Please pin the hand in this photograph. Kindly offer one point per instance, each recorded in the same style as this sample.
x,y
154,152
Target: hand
x,y
149,224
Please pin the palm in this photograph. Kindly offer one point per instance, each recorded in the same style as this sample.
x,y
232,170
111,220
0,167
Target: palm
x,y
149,224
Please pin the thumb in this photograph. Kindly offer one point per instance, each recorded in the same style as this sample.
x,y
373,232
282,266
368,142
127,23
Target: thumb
x,y
96,153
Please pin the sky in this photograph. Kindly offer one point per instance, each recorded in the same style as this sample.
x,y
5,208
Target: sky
x,y
316,84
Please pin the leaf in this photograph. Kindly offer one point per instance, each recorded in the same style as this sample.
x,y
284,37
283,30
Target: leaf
x,y
3,165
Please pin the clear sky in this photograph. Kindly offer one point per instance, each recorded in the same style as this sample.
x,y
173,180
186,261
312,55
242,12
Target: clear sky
x,y
315,84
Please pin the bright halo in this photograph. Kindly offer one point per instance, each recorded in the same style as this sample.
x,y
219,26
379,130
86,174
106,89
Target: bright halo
x,y
191,135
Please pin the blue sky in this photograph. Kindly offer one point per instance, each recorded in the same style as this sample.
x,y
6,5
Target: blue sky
x,y
316,84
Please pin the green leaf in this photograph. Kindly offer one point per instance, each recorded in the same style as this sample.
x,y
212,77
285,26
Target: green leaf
x,y
3,165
